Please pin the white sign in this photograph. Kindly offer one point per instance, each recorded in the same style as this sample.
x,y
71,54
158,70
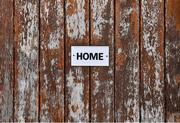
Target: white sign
x,y
89,55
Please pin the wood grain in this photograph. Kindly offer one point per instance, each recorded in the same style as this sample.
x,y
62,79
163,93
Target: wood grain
x,y
26,60
6,60
52,61
77,78
152,62
172,60
102,78
127,61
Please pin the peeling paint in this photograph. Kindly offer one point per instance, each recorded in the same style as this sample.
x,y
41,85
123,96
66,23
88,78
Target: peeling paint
x,y
127,61
102,21
27,62
125,25
172,43
99,21
77,77
152,41
45,117
119,50
76,23
76,105
54,40
52,55
97,82
46,10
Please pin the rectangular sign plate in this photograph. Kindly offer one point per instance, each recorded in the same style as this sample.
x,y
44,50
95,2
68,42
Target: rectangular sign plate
x,y
89,55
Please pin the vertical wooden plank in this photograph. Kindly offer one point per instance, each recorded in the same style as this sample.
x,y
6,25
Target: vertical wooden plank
x,y
152,54
6,60
127,61
77,78
26,60
172,60
102,78
52,61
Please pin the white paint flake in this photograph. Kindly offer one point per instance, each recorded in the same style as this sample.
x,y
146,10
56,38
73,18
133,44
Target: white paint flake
x,y
119,51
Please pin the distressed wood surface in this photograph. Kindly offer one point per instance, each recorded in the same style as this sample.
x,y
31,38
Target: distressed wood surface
x,y
38,83
77,78
52,61
152,54
127,61
26,60
172,60
6,60
102,78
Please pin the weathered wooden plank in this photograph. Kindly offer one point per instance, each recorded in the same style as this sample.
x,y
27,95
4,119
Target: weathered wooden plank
x,y
152,54
172,43
102,78
52,61
77,78
6,60
127,61
26,60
